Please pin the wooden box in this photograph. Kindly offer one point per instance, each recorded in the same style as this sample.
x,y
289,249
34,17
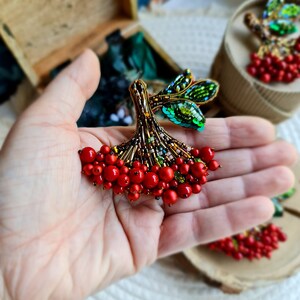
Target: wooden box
x,y
44,34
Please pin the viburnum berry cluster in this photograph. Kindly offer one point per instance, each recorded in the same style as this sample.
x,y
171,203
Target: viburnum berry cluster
x,y
272,68
181,179
253,244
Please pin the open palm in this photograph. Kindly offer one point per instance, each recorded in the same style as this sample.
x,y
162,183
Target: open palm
x,y
62,238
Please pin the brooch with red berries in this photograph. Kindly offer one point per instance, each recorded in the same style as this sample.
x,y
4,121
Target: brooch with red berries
x,y
153,162
258,242
278,56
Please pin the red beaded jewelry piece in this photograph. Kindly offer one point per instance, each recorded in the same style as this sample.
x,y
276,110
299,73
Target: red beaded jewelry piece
x,y
278,56
253,244
153,162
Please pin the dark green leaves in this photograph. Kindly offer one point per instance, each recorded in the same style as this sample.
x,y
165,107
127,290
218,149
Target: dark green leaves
x,y
185,114
200,92
181,82
282,27
271,7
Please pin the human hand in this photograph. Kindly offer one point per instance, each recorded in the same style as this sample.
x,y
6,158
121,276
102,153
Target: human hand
x,y
62,238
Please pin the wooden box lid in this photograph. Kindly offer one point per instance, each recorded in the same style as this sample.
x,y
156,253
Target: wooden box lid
x,y
44,34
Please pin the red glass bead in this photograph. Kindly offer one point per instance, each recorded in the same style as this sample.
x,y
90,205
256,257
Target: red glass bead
x,y
104,149
120,163
252,70
190,162
203,179
288,77
97,170
146,191
135,188
87,169
190,178
213,165
184,190
87,155
265,77
169,197
136,175
157,192
198,169
150,180
97,179
297,47
124,170
144,168
118,189
196,188
110,159
256,62
162,185
282,65
133,197
102,164
289,58
166,174
179,160
184,169
123,180
207,154
254,56
155,168
111,173
100,156
195,152
107,185
174,167
173,183
136,164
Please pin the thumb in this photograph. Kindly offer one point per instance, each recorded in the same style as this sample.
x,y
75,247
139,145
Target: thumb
x,y
67,94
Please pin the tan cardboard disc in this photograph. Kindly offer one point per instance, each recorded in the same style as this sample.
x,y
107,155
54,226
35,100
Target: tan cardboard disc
x,y
236,276
239,90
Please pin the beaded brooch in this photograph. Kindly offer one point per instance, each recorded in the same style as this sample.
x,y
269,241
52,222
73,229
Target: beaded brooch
x,y
153,162
278,57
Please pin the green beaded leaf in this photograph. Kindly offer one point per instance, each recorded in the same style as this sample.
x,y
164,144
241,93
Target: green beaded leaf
x,y
289,11
200,92
180,83
282,27
278,208
272,7
185,114
286,195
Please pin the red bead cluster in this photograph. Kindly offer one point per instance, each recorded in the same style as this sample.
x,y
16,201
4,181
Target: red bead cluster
x,y
180,180
271,68
254,244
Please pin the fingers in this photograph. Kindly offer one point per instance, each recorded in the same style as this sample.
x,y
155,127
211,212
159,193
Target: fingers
x,y
66,95
243,161
227,133
268,183
185,230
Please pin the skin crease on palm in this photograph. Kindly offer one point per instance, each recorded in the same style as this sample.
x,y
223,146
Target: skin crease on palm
x,y
63,238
